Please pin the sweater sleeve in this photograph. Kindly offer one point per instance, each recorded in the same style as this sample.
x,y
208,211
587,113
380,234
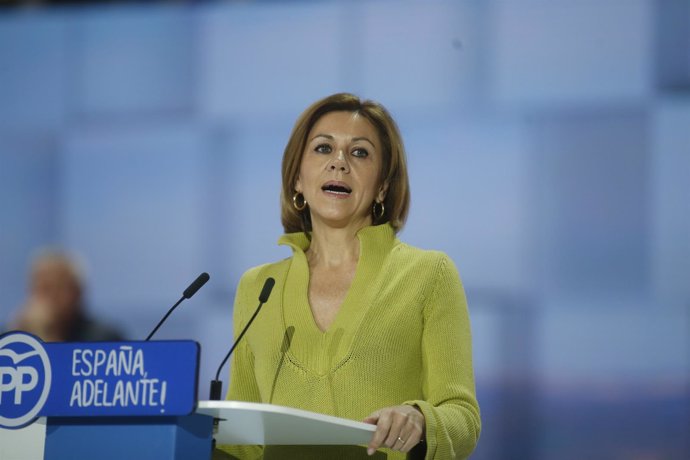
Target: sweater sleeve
x,y
243,386
449,405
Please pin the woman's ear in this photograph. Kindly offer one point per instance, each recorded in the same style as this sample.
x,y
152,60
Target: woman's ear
x,y
383,191
298,185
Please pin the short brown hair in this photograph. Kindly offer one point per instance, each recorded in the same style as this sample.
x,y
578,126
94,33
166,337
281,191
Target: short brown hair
x,y
393,172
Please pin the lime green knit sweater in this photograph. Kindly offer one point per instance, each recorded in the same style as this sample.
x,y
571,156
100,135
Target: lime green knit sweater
x,y
402,336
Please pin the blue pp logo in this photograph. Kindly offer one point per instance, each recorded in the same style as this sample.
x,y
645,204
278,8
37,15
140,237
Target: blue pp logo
x,y
24,379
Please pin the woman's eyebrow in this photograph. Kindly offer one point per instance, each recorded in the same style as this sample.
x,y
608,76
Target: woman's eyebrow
x,y
354,139
327,136
362,138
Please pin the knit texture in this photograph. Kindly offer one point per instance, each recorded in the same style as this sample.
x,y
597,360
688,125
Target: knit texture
x,y
401,336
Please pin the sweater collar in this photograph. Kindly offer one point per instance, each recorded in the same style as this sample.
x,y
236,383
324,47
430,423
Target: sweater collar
x,y
373,238
376,244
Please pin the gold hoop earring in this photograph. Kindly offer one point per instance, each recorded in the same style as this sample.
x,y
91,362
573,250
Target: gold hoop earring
x,y
298,197
378,214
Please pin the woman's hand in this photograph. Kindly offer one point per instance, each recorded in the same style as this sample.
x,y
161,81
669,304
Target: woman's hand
x,y
398,427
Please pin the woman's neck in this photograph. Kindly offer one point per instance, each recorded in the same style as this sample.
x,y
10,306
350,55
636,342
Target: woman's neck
x,y
333,247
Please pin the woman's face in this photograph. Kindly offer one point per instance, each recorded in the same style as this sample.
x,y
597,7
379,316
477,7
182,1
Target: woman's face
x,y
340,170
54,286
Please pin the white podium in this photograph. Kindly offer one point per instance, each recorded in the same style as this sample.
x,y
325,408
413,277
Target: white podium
x,y
240,423
267,424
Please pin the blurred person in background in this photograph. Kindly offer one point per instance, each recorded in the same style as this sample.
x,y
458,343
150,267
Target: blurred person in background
x,y
373,329
54,309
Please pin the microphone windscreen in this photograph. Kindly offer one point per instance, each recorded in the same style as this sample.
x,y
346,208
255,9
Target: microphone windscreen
x,y
196,285
266,291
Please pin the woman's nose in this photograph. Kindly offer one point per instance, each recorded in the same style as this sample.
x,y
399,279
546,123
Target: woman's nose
x,y
340,163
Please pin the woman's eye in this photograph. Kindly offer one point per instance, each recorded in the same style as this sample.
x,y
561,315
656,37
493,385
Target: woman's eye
x,y
323,148
360,152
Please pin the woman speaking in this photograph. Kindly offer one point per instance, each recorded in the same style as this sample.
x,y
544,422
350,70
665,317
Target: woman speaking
x,y
359,325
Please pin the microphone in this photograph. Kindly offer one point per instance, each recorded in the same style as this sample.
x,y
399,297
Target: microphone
x,y
187,294
217,385
196,285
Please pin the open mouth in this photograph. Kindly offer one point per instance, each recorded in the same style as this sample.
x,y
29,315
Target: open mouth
x,y
338,188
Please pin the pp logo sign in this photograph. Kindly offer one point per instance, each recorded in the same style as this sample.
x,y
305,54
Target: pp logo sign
x,y
25,377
